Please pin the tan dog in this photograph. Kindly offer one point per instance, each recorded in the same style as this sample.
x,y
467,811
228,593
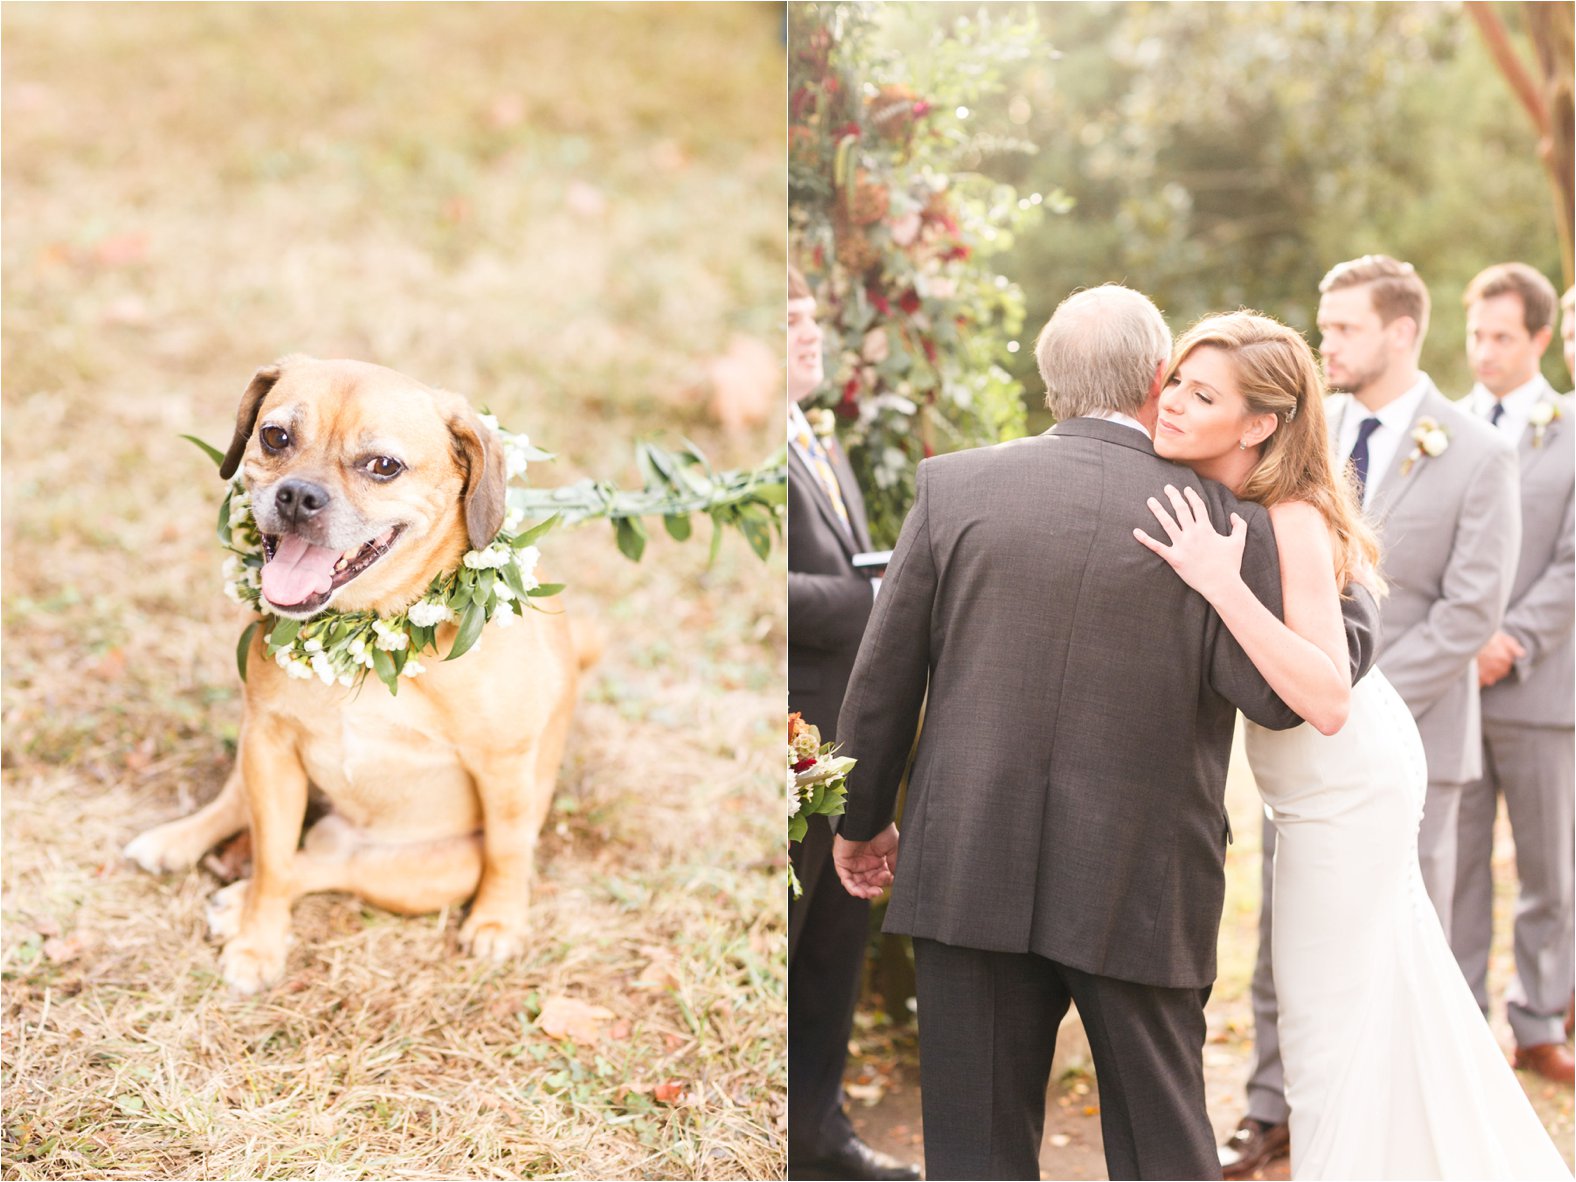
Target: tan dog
x,y
439,792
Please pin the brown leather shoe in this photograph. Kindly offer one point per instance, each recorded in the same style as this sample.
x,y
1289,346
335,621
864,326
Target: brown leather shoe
x,y
1252,1147
1551,1060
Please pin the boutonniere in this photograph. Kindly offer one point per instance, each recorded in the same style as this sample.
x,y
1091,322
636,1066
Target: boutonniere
x,y
1542,415
1430,439
822,421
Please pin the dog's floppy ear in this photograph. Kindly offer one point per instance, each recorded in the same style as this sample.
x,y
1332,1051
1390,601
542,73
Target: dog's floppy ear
x,y
246,415
482,461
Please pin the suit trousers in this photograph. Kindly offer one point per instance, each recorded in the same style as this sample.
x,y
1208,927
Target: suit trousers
x,y
828,930
1534,769
1437,856
987,1034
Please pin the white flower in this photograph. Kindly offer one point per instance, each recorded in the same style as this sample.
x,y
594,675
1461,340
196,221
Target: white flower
x,y
794,803
1543,414
282,659
493,557
514,519
514,457
323,667
489,421
503,591
312,646
233,591
504,616
1434,442
299,669
905,229
356,648
526,560
412,668
390,639
425,614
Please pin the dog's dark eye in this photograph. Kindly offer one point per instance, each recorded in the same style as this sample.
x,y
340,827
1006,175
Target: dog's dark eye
x,y
385,467
274,438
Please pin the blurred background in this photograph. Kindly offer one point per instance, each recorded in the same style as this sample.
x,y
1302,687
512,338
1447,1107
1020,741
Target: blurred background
x,y
957,169
1213,155
572,214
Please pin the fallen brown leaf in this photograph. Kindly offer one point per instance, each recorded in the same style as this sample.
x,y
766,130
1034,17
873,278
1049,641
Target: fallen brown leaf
x,y
578,1021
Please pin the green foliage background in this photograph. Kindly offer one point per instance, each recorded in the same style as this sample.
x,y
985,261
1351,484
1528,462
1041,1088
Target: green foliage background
x,y
1226,155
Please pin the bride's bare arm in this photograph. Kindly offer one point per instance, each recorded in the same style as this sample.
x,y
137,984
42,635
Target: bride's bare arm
x,y
1304,660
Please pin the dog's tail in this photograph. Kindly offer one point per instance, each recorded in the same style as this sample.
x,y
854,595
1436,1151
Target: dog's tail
x,y
588,640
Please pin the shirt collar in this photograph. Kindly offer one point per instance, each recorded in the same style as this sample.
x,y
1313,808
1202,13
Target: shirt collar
x,y
1116,416
1518,403
1398,415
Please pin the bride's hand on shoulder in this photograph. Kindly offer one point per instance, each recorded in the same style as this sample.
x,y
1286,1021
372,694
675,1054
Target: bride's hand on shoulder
x,y
1207,561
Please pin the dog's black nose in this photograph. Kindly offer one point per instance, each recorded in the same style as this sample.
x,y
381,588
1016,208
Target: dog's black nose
x,y
299,500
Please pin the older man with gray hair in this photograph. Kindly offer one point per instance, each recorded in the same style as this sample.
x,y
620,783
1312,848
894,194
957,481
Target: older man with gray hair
x,y
1065,828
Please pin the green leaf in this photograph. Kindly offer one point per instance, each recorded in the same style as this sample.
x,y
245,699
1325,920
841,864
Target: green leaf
x,y
383,666
470,628
648,470
513,579
244,648
798,826
214,453
224,517
718,516
678,526
282,633
774,493
631,536
542,590
757,533
538,530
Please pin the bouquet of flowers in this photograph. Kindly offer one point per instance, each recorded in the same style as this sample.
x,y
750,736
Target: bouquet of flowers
x,y
817,782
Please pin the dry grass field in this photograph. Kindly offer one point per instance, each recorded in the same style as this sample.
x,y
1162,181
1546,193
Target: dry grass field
x,y
567,212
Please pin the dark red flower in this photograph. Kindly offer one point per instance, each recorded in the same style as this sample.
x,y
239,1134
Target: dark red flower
x,y
846,129
881,303
909,301
921,109
804,764
957,252
929,346
803,100
929,451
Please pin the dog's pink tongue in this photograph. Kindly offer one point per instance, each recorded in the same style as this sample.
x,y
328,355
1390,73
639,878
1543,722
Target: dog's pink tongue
x,y
297,571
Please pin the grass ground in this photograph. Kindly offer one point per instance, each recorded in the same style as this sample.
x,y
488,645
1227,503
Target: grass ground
x,y
884,1076
566,212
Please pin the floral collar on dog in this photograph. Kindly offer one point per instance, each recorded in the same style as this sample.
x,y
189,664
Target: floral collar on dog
x,y
492,585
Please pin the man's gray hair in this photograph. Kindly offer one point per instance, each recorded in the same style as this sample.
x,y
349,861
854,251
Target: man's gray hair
x,y
1099,351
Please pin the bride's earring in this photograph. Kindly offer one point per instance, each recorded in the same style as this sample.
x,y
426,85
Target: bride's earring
x,y
1242,445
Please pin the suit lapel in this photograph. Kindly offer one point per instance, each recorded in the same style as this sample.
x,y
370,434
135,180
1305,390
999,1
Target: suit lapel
x,y
1529,453
1402,473
823,503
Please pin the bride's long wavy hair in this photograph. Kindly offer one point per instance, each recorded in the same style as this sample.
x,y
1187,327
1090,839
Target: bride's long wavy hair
x,y
1277,374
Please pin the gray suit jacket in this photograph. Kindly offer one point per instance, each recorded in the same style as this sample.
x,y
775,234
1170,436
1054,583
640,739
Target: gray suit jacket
x,y
1539,689
1067,796
1449,531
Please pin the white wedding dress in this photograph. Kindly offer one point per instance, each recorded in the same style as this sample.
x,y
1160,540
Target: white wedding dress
x,y
1391,1071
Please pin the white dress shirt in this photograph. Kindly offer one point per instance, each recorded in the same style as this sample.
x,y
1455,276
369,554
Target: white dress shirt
x,y
1518,405
1392,432
1116,416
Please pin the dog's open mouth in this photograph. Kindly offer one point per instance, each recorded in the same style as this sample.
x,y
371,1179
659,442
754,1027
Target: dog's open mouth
x,y
299,577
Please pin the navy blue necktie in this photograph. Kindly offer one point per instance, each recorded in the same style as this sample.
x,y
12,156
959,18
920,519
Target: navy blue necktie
x,y
1359,456
1496,414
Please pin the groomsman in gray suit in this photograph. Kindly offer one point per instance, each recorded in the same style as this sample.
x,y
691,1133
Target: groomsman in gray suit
x,y
1439,486
1528,678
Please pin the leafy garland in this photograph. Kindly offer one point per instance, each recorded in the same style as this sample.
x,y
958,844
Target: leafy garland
x,y
497,583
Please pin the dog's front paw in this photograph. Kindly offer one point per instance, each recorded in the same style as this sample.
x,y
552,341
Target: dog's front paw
x,y
223,910
250,966
492,938
161,850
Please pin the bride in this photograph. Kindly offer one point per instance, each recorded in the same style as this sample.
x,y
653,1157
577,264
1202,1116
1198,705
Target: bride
x,y
1391,1071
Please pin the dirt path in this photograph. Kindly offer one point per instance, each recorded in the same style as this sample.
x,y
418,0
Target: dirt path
x,y
884,1076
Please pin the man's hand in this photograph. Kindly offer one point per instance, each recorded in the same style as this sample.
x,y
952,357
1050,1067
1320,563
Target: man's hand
x,y
866,867
1497,657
